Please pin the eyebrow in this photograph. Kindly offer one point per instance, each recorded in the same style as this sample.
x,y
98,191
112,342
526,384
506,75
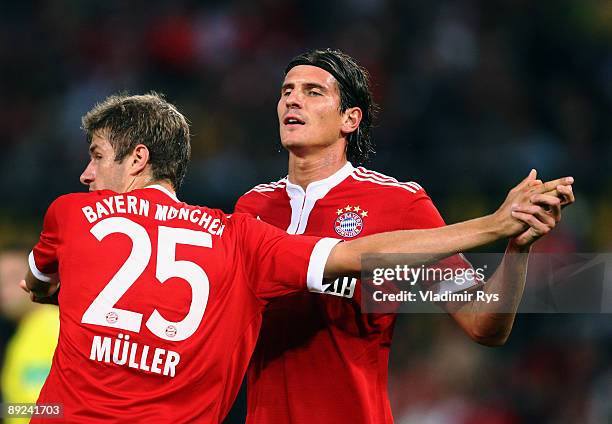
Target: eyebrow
x,y
306,85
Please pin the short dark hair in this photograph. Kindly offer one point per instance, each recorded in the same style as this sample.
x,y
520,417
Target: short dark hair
x,y
146,119
354,86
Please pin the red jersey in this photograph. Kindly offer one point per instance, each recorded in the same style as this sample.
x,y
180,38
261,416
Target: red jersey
x,y
319,359
161,302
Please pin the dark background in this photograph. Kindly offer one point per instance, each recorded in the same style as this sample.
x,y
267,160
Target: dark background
x,y
473,94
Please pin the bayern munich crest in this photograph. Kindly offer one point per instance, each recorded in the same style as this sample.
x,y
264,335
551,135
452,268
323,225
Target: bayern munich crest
x,y
349,222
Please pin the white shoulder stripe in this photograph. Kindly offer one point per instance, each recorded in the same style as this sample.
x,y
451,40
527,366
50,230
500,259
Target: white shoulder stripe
x,y
270,185
263,190
260,190
267,187
383,179
374,174
384,183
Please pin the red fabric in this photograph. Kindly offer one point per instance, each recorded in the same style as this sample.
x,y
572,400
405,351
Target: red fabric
x,y
318,358
246,263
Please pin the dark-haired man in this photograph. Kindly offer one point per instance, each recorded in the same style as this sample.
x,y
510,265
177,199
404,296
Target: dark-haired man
x,y
161,301
319,359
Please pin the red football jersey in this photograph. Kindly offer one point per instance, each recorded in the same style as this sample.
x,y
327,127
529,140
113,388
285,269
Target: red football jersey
x,y
319,359
160,302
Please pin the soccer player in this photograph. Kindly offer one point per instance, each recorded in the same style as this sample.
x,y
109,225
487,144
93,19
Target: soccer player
x,y
161,301
319,358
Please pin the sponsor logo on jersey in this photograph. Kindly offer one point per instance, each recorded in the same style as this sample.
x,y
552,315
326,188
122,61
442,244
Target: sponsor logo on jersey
x,y
343,287
349,222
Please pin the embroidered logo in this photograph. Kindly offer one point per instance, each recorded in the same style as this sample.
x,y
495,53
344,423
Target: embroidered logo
x,y
349,222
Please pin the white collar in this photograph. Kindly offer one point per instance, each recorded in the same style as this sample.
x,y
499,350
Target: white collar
x,y
320,188
302,202
163,189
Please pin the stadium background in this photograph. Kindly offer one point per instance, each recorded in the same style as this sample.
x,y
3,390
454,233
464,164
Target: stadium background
x,y
473,95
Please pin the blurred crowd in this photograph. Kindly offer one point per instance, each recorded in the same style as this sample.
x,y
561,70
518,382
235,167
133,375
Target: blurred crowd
x,y
474,94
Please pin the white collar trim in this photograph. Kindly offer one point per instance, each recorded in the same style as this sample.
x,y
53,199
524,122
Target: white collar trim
x,y
322,186
302,202
163,189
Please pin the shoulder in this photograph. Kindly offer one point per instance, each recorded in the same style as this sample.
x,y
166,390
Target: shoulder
x,y
384,184
411,205
244,226
259,193
67,202
268,187
201,212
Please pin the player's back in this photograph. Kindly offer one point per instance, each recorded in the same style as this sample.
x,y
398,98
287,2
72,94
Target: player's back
x,y
156,324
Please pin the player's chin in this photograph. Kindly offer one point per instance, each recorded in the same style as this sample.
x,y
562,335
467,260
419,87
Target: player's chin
x,y
292,141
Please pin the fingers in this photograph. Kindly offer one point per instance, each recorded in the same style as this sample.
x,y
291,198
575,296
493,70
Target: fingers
x,y
566,194
530,178
540,228
548,197
24,286
532,175
51,299
551,204
545,199
552,185
545,217
526,238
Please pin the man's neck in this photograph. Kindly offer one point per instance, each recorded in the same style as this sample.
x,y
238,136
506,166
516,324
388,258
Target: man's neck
x,y
165,184
304,170
146,181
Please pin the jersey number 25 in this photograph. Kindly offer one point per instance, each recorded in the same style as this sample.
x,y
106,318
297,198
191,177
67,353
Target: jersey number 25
x,y
103,305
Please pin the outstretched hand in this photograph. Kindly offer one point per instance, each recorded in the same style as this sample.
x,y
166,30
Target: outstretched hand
x,y
543,214
537,205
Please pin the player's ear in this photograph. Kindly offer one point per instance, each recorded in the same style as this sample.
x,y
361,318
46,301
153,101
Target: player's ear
x,y
139,159
351,118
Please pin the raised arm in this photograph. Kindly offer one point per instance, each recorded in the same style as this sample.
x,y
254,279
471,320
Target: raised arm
x,y
491,324
437,243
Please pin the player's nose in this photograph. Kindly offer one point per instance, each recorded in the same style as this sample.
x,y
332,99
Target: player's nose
x,y
294,99
87,177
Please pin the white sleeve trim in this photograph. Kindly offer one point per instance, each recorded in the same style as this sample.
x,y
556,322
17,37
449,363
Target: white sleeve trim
x,y
45,278
316,266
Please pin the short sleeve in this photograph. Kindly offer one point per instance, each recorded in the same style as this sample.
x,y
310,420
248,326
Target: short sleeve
x,y
43,259
421,212
278,263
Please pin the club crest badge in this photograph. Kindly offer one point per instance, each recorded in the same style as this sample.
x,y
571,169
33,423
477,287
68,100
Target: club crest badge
x,y
349,222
